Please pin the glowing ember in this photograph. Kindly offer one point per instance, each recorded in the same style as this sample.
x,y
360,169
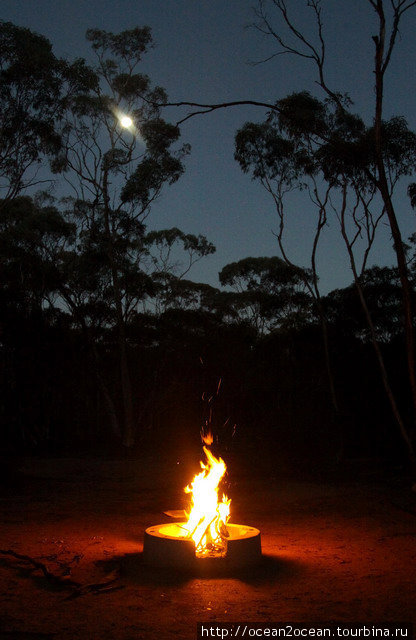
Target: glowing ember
x,y
207,522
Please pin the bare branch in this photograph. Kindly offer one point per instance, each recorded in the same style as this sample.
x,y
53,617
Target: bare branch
x,y
316,53
254,63
208,108
399,9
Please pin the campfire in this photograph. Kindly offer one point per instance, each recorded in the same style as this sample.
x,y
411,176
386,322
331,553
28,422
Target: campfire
x,y
206,537
207,521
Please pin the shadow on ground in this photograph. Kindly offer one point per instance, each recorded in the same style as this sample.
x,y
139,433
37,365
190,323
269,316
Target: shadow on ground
x,y
270,570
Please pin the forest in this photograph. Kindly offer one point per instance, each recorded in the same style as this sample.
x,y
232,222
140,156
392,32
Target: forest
x,y
108,346
266,421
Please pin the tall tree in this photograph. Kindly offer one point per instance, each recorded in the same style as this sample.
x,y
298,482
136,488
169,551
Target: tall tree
x,y
117,156
315,146
389,147
356,152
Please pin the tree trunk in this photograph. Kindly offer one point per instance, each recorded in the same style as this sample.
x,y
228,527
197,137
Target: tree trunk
x,y
128,436
382,185
115,426
114,423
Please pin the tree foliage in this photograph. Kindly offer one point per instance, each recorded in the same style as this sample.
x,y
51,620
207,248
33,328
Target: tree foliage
x,y
34,89
103,305
307,137
271,293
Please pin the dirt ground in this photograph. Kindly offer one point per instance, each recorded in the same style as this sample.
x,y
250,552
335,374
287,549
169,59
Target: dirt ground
x,y
340,551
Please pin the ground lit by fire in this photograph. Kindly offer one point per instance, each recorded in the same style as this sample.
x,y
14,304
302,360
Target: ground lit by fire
x,y
338,552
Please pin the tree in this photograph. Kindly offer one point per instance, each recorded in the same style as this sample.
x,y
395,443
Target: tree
x,y
384,45
367,159
34,87
271,294
32,234
171,254
281,166
354,154
381,290
117,172
315,146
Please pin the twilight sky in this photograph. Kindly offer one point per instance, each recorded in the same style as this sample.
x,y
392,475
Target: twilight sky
x,y
203,53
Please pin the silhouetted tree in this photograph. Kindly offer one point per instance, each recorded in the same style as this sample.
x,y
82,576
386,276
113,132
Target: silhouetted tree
x,y
34,89
171,254
381,289
32,234
328,139
313,145
272,294
344,149
118,172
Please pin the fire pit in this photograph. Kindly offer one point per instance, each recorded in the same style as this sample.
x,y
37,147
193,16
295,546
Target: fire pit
x,y
167,545
206,540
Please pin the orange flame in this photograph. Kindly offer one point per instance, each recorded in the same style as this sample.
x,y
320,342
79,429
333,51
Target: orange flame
x,y
207,438
208,516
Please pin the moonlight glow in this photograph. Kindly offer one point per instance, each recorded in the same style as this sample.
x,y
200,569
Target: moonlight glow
x,y
126,122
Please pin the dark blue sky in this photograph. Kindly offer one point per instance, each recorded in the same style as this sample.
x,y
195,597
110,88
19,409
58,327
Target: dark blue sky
x,y
203,53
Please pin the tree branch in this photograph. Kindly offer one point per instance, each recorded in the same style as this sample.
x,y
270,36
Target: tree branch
x,y
208,108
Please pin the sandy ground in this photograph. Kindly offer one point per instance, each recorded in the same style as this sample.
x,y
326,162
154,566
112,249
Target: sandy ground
x,y
341,551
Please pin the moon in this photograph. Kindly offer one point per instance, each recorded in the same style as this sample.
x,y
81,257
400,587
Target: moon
x,y
126,122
